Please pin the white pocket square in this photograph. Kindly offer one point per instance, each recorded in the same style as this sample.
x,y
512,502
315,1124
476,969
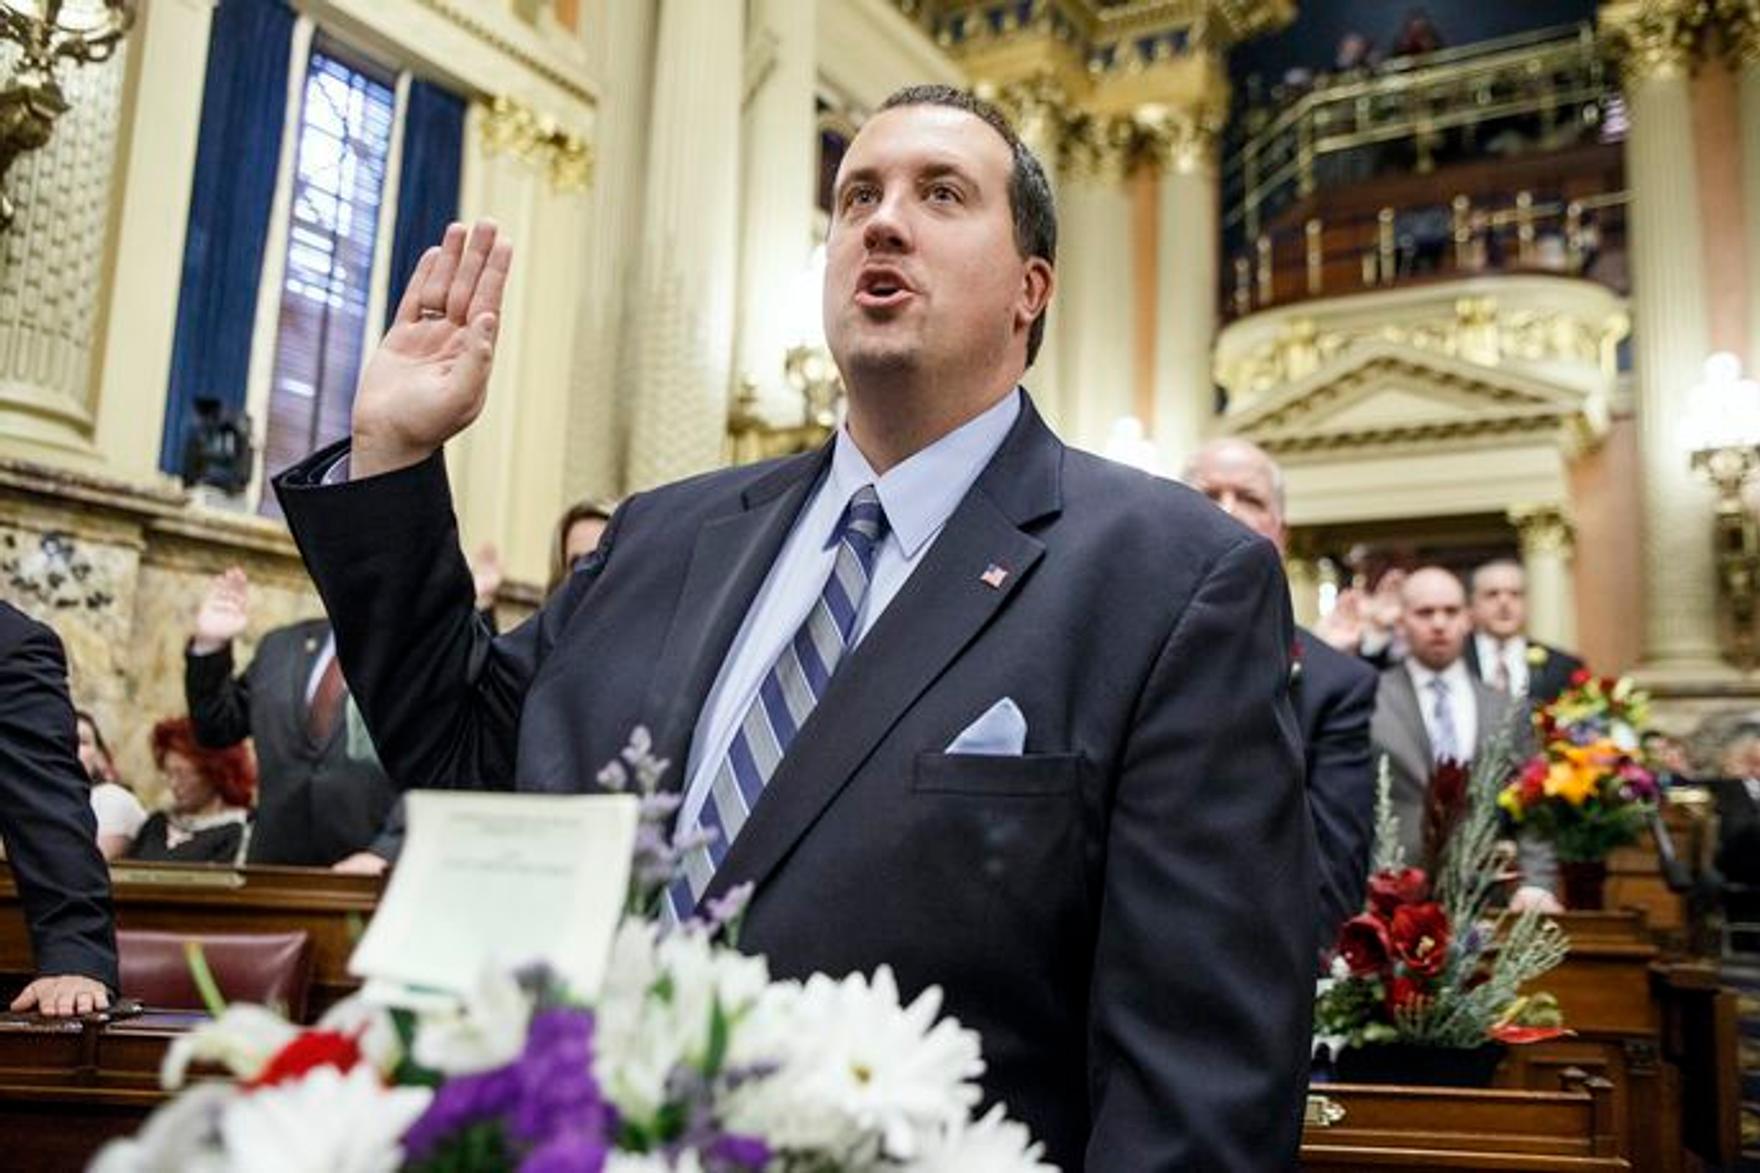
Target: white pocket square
x,y
1000,732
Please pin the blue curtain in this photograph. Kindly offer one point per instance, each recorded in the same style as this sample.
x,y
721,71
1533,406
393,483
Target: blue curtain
x,y
244,105
427,187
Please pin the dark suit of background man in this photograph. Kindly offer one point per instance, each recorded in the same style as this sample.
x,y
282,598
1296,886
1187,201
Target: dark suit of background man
x,y
1334,693
322,797
1500,653
1429,707
1115,887
46,821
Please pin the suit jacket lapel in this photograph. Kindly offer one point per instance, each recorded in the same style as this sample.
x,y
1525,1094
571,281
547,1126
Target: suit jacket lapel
x,y
1415,755
939,611
731,558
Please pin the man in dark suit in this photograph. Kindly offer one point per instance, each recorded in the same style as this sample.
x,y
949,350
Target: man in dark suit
x,y
1500,653
46,821
1004,716
1430,708
323,799
1334,693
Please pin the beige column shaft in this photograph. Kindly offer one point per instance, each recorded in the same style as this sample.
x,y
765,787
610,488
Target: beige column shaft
x,y
1670,340
779,179
600,405
1186,275
1098,342
687,274
1304,589
1748,94
1547,543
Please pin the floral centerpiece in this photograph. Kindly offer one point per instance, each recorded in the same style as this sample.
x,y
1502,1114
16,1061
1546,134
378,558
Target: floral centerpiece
x,y
1426,984
1588,789
691,1058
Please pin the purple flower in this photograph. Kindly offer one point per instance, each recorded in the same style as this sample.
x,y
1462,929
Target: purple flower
x,y
568,1152
459,1103
558,1094
732,1153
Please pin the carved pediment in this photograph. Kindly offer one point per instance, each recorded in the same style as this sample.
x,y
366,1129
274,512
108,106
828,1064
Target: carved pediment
x,y
1381,394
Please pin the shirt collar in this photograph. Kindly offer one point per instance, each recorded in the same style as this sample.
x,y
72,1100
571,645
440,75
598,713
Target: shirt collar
x,y
1455,673
920,493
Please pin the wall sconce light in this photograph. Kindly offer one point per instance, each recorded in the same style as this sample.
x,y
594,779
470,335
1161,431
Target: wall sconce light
x,y
1722,430
46,31
809,369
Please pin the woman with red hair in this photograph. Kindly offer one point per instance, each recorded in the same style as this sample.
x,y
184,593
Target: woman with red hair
x,y
211,792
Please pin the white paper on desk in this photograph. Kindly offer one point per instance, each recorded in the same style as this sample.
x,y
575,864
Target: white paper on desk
x,y
502,879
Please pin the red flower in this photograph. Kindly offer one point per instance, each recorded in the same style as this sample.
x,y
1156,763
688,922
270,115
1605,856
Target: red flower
x,y
1403,992
1448,782
1362,942
308,1050
1580,677
1419,936
1390,889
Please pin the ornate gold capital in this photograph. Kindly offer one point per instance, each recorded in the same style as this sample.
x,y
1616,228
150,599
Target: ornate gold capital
x,y
512,127
1739,21
1181,141
1100,148
1543,530
1654,39
1039,108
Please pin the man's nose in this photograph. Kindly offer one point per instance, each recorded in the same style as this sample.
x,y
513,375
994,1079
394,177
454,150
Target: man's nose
x,y
885,227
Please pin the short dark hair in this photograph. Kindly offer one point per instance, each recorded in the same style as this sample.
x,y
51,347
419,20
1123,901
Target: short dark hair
x,y
1029,191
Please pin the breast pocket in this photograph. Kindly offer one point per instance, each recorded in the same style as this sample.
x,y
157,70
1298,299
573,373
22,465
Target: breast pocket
x,y
997,775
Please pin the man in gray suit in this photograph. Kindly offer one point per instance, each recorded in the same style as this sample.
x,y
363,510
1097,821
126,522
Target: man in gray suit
x,y
1430,707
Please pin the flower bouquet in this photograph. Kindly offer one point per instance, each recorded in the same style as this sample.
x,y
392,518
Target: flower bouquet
x,y
691,1058
1428,975
1587,789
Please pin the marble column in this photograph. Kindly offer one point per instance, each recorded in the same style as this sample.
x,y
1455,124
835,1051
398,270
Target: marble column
x,y
1304,586
1743,33
599,407
1656,43
1039,111
777,309
1098,342
1186,281
687,275
1547,541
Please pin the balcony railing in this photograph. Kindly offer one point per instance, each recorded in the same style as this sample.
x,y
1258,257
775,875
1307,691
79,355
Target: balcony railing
x,y
1583,236
1549,84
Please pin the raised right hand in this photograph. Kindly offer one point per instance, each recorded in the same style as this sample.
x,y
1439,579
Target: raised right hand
x,y
224,612
428,378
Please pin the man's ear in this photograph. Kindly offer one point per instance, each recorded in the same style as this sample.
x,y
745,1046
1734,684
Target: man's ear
x,y
1038,280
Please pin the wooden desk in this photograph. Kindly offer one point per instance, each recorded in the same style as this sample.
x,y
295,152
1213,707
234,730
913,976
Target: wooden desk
x,y
66,1087
333,909
1349,1128
1604,989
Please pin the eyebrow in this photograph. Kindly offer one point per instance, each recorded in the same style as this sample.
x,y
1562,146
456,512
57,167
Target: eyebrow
x,y
940,169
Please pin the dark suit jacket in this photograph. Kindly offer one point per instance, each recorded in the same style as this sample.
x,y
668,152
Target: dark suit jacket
x,y
46,808
1126,912
1335,700
1546,679
316,804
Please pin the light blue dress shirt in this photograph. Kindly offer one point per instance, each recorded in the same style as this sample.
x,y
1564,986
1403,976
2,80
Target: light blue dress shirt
x,y
918,496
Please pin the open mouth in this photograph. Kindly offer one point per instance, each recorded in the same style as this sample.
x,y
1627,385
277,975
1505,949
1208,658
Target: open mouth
x,y
881,289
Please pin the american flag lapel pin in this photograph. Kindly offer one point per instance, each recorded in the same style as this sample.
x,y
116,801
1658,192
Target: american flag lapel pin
x,y
994,576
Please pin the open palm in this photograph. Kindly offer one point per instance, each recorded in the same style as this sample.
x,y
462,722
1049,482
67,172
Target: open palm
x,y
428,378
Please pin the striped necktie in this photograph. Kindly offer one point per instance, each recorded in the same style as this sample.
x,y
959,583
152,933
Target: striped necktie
x,y
1445,740
785,699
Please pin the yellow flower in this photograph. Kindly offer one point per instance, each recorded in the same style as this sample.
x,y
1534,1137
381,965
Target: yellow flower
x,y
1577,778
1536,655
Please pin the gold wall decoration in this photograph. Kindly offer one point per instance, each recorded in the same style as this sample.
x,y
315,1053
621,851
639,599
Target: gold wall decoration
x,y
512,127
1739,21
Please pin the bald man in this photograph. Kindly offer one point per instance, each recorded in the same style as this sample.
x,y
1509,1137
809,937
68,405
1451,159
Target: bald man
x,y
1431,707
1333,694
